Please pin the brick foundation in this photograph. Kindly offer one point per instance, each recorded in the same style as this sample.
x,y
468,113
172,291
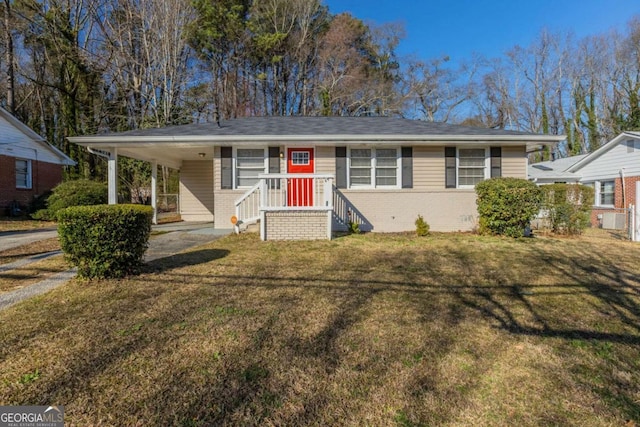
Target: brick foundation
x,y
296,225
44,176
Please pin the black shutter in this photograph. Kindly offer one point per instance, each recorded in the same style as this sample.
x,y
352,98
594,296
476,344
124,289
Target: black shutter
x,y
274,165
450,167
496,162
226,168
341,167
274,159
407,167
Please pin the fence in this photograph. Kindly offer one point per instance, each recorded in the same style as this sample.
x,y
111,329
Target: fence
x,y
168,205
618,221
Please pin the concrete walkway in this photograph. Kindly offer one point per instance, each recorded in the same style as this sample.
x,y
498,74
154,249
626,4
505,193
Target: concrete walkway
x,y
176,238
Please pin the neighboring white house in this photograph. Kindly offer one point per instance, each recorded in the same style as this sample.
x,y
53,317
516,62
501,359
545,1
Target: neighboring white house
x,y
613,170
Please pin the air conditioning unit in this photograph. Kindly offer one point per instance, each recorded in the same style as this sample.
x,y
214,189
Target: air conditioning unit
x,y
614,221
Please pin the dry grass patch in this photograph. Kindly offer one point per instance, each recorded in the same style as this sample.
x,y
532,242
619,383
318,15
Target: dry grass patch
x,y
10,224
372,330
28,250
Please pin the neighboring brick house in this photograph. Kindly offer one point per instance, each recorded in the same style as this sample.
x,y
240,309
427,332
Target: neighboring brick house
x,y
29,166
613,170
304,177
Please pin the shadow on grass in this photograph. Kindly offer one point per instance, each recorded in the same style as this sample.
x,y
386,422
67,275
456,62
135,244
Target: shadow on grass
x,y
184,259
248,387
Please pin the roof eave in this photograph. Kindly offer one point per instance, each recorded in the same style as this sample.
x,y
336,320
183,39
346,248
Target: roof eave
x,y
107,140
35,137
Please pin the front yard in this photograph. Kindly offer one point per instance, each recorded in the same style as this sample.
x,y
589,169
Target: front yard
x,y
372,330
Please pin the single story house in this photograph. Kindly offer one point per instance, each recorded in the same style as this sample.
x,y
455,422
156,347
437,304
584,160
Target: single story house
x,y
29,165
613,170
304,177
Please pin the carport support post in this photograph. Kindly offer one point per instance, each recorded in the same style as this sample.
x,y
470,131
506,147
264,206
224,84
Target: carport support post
x,y
154,190
112,175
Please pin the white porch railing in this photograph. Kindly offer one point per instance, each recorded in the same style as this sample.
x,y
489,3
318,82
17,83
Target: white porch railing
x,y
344,212
248,207
285,192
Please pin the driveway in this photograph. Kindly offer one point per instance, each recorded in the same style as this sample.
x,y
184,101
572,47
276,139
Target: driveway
x,y
13,239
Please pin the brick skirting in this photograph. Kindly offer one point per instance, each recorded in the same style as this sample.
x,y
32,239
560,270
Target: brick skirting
x,y
297,225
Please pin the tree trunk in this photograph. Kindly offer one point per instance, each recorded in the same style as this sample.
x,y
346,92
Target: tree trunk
x,y
9,58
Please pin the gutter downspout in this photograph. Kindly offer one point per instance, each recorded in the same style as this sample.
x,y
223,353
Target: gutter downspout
x,y
624,193
98,153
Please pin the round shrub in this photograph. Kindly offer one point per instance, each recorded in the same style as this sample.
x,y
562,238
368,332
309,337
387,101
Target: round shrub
x,y
507,205
81,192
105,241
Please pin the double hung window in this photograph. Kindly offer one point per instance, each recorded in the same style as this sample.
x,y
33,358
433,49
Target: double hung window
x,y
23,173
250,162
373,167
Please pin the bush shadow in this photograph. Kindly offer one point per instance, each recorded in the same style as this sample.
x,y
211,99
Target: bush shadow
x,y
200,256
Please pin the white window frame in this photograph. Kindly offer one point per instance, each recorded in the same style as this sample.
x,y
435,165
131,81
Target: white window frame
x,y
372,168
487,170
598,193
29,180
307,155
265,164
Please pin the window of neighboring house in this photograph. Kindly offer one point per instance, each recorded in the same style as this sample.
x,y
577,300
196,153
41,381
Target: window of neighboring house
x,y
250,162
471,166
632,145
373,167
607,193
23,173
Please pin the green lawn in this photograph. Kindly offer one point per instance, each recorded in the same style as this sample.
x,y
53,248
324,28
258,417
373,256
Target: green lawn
x,y
364,330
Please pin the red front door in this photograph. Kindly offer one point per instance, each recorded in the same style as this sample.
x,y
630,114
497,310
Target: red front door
x,y
300,190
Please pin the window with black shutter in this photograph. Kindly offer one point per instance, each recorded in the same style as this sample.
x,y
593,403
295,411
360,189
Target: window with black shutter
x,y
450,177
226,168
496,162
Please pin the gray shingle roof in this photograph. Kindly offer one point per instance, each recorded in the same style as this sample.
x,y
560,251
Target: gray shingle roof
x,y
325,126
555,169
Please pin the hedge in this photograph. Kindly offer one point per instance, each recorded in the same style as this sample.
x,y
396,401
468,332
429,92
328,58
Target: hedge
x,y
105,241
568,207
82,192
507,205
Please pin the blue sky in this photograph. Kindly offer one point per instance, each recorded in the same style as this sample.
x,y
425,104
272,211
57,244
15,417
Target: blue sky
x,y
459,28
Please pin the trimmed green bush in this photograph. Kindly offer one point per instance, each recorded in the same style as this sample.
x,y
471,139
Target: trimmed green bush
x,y
422,227
568,207
507,205
81,192
105,241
